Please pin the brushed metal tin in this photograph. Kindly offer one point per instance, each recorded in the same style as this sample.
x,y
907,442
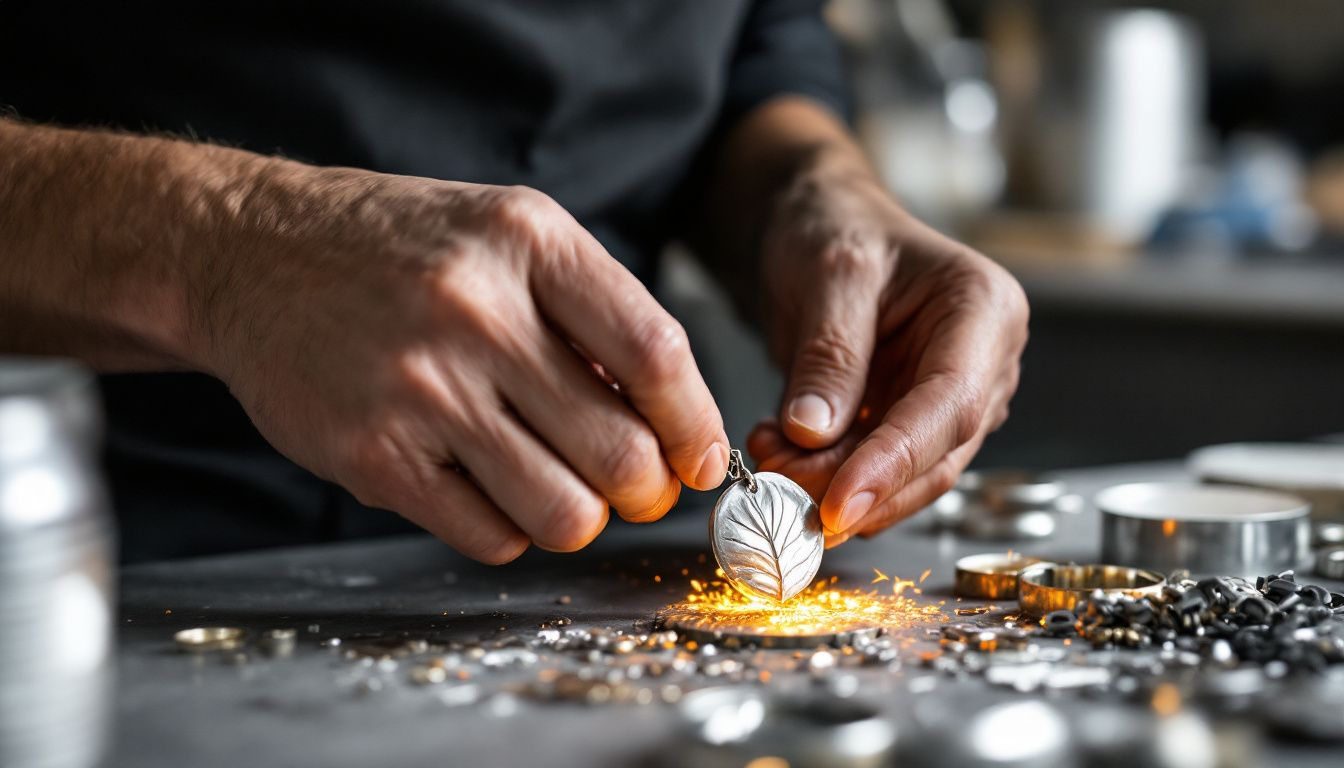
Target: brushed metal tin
x,y
1206,529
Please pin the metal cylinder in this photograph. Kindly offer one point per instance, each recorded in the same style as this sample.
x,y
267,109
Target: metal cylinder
x,y
1206,529
56,561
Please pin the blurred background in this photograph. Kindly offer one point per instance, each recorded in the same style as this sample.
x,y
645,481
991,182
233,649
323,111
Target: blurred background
x,y
1167,182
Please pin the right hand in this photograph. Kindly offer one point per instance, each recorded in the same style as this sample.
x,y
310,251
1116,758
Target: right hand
x,y
443,350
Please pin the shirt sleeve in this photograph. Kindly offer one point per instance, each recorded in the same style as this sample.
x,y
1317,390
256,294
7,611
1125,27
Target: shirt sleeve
x,y
786,48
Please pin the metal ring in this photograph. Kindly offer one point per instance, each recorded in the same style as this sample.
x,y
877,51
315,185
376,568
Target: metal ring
x,y
1330,563
199,639
1327,534
991,576
1047,587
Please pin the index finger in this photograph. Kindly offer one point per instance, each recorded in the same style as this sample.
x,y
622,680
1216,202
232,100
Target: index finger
x,y
942,411
599,305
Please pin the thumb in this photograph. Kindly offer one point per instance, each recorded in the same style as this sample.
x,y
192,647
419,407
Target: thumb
x,y
832,353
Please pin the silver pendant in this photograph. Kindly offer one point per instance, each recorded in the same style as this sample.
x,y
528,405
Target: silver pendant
x,y
766,533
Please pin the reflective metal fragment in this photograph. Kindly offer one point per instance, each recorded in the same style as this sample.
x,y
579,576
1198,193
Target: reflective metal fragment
x,y
732,725
278,642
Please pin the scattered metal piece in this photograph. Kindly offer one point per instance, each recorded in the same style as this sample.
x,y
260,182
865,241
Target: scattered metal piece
x,y
1310,708
460,695
508,657
427,674
961,727
203,639
278,642
732,725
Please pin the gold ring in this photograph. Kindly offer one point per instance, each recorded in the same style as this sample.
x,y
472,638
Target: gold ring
x,y
990,577
198,639
1047,587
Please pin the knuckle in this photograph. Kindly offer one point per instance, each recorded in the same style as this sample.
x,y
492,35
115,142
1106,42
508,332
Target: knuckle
x,y
521,207
491,318
989,278
416,372
570,521
968,403
897,447
828,351
370,468
661,349
1000,417
943,479
1016,300
851,260
630,459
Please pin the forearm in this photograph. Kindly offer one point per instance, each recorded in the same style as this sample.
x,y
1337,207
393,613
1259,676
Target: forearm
x,y
784,146
110,241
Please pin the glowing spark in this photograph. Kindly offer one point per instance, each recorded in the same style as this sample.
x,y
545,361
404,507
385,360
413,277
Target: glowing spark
x,y
819,609
657,579
879,577
1168,528
925,575
1166,699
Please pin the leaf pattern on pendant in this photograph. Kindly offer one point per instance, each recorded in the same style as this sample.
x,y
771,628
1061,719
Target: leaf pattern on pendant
x,y
769,543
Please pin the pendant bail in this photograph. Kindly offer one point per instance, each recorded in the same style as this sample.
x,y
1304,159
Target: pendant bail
x,y
737,469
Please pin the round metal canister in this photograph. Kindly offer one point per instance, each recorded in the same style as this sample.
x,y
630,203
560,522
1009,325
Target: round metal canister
x,y
56,561
1209,530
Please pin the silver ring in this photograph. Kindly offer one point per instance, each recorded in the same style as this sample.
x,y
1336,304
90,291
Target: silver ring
x,y
1330,563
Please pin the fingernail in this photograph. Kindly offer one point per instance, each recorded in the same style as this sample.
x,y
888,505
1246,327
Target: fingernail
x,y
811,412
713,467
854,510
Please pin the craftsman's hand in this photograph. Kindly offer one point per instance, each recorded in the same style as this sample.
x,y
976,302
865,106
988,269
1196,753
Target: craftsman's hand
x,y
448,351
900,346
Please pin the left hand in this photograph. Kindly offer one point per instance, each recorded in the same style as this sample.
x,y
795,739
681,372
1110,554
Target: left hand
x,y
900,345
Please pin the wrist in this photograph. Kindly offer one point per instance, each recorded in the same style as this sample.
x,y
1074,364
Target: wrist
x,y
247,216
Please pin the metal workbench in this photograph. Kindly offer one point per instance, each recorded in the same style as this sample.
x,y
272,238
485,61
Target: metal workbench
x,y
317,708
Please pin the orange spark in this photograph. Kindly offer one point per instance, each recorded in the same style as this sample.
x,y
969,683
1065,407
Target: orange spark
x,y
879,577
819,609
1166,699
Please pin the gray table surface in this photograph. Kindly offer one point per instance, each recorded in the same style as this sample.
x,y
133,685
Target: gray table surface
x,y
318,709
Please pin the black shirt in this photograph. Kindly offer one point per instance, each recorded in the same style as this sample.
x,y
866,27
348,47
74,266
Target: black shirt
x,y
603,104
